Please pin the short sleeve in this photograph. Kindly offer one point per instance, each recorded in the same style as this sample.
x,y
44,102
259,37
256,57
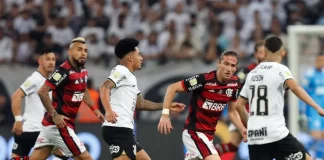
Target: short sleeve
x,y
195,83
58,77
29,86
117,76
285,74
245,91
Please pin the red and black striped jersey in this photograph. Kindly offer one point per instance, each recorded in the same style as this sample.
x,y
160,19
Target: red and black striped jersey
x,y
209,98
68,85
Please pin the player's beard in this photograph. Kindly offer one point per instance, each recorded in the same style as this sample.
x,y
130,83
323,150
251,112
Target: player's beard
x,y
79,62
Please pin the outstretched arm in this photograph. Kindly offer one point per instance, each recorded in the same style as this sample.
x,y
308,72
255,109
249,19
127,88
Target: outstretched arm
x,y
234,116
105,89
46,100
88,101
143,104
240,107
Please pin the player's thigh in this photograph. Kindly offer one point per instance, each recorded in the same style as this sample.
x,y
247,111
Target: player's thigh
x,y
66,140
289,147
121,142
24,143
83,156
41,153
197,145
260,152
142,155
122,157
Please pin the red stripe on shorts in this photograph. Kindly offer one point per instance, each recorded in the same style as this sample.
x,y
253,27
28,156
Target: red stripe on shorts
x,y
69,142
201,145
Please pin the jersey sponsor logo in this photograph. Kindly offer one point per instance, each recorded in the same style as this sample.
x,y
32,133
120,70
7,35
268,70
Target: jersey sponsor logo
x,y
213,106
194,87
229,92
258,134
77,97
211,84
257,78
15,146
114,149
295,156
60,80
193,82
232,84
264,67
57,76
122,78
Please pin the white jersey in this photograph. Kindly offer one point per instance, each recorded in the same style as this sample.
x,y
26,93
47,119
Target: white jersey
x,y
264,88
34,109
123,97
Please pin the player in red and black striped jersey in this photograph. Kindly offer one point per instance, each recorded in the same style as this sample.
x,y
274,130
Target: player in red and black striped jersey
x,y
68,84
211,92
236,137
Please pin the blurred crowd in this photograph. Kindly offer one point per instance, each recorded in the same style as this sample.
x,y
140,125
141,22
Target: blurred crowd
x,y
167,29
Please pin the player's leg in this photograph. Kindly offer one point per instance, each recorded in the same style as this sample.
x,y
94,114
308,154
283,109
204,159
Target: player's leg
x,y
290,148
41,153
258,152
141,153
232,146
24,143
57,152
198,146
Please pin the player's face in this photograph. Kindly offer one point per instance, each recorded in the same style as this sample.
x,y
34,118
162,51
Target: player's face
x,y
227,66
137,59
319,62
48,62
260,54
79,53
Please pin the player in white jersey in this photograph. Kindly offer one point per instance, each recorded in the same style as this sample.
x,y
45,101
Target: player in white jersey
x,y
120,97
267,133
27,126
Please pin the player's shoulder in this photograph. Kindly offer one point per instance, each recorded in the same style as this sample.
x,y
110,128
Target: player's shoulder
x,y
209,75
36,77
65,66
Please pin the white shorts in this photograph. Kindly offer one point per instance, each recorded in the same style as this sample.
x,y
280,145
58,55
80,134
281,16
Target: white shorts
x,y
232,127
64,138
197,144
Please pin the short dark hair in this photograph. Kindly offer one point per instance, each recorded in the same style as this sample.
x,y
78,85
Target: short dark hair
x,y
45,51
273,44
257,45
229,53
125,46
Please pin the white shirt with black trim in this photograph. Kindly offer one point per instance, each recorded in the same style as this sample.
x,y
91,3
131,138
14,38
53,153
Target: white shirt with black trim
x,y
34,109
265,88
123,97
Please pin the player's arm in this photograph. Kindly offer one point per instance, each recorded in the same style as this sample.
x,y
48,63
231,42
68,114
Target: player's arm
x,y
301,93
45,98
194,83
143,104
88,101
16,110
241,109
105,89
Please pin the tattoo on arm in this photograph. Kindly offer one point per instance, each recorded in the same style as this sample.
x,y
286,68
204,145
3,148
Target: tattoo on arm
x,y
143,104
45,98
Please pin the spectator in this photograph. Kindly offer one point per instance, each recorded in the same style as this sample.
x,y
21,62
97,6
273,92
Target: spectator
x,y
24,23
6,47
92,28
61,32
6,116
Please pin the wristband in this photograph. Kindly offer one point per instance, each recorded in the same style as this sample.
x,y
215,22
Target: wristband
x,y
18,118
166,111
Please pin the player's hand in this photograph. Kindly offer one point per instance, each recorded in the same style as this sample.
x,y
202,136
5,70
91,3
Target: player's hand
x,y
244,135
320,111
165,124
99,115
111,116
177,107
17,128
59,120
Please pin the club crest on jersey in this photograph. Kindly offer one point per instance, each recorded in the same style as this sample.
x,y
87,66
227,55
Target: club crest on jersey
x,y
229,92
193,82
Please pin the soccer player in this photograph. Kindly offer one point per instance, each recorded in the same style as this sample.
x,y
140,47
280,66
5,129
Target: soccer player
x,y
120,97
267,134
27,126
69,88
236,137
211,92
314,85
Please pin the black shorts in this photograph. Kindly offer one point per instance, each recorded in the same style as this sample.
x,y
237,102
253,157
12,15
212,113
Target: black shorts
x,y
24,143
280,150
120,140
